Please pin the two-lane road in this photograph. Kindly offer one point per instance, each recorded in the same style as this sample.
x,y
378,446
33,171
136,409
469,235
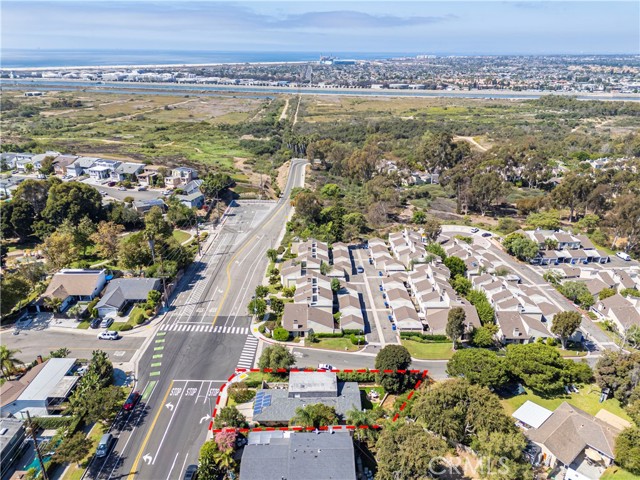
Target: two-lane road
x,y
198,346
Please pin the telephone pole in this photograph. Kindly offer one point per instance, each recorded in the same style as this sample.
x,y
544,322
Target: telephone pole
x,y
164,281
198,236
32,430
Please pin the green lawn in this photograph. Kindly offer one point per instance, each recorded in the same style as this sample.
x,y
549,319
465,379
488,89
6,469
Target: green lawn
x,y
617,473
586,400
181,236
571,352
340,344
429,351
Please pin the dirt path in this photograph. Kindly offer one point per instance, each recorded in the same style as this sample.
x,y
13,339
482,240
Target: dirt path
x,y
471,141
295,117
283,115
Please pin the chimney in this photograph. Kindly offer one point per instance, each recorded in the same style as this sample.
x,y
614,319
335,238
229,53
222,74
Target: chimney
x,y
39,359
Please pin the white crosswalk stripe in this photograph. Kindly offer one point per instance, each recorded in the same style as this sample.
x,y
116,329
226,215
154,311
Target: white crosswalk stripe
x,y
248,352
200,328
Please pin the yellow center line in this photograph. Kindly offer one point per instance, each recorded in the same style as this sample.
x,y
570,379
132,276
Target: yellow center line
x,y
134,468
245,245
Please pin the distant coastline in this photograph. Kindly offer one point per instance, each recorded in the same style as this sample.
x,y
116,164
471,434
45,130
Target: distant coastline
x,y
195,89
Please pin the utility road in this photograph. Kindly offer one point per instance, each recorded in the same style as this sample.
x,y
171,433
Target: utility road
x,y
203,338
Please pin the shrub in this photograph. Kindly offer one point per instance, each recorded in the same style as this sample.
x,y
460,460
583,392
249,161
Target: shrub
x,y
356,376
261,328
240,392
330,335
126,327
148,312
417,336
91,307
280,334
53,423
552,342
357,339
352,331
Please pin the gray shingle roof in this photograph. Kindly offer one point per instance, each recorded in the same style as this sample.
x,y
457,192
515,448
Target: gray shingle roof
x,y
128,289
298,456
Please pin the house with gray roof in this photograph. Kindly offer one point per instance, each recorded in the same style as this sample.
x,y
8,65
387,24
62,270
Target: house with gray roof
x,y
123,292
192,200
127,171
298,455
62,162
624,312
81,166
274,407
300,319
143,206
570,437
73,285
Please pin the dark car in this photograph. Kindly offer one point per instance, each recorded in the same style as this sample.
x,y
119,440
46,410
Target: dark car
x,y
486,234
95,323
132,399
190,472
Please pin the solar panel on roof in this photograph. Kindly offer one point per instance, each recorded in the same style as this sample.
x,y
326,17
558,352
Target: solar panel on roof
x,y
266,401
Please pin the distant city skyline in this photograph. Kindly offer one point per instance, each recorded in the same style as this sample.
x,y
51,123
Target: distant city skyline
x,y
462,28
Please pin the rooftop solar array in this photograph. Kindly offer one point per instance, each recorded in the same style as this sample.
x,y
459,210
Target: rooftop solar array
x,y
261,401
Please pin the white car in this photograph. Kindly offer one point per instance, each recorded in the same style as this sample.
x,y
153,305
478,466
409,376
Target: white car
x,y
475,230
108,335
324,366
623,256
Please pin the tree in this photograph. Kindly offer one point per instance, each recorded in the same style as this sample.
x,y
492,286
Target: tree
x,y
575,291
407,450
419,217
59,249
627,449
53,303
276,357
565,324
134,251
484,337
521,247
214,184
72,201
455,324
606,293
485,189
73,448
501,454
262,291
277,305
314,415
98,404
46,166
335,285
538,366
478,366
257,307
308,206
272,255
180,215
626,220
14,289
456,266
394,358
60,353
549,220
619,372
22,218
461,285
486,312
572,192
432,229
229,417
8,361
34,193
129,218
155,225
207,467
106,238
458,410
363,418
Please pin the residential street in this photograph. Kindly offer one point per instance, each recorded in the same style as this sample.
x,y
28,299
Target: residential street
x,y
197,346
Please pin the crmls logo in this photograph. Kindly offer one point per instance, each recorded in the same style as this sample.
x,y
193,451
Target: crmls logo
x,y
487,466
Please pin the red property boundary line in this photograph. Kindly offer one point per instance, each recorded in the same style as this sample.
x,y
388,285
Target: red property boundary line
x,y
422,373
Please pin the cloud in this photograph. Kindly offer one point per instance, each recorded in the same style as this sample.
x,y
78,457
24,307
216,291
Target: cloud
x,y
354,19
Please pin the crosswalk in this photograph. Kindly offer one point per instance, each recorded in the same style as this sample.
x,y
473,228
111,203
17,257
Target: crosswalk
x,y
198,327
248,352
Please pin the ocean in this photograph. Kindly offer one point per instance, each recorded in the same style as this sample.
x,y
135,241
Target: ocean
x,y
18,58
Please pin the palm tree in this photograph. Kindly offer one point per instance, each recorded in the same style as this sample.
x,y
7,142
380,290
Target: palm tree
x,y
7,360
53,303
74,312
360,418
224,459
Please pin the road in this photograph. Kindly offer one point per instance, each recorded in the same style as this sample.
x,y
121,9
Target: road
x,y
196,348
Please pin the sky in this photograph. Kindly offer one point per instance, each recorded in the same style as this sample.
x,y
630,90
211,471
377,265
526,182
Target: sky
x,y
451,27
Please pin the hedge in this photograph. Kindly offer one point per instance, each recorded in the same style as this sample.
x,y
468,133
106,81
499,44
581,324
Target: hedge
x,y
353,331
126,327
329,335
357,339
424,337
54,423
356,376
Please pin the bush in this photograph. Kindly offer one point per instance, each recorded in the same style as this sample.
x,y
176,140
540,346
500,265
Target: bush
x,y
552,342
91,307
241,393
148,312
356,377
126,327
351,331
261,328
330,335
53,423
357,339
280,334
424,338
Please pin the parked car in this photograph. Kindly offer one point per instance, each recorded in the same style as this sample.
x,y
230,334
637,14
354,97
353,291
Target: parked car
x,y
95,323
142,189
131,401
104,445
324,366
190,472
167,192
485,234
475,230
108,335
106,323
360,269
624,256
103,193
122,189
82,370
111,184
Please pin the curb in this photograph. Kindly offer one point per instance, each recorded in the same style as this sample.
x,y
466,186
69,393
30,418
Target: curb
x,y
295,428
